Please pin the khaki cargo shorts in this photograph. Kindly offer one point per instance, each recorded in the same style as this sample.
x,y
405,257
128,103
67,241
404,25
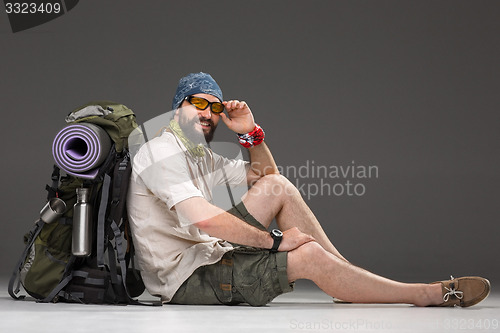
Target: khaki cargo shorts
x,y
243,275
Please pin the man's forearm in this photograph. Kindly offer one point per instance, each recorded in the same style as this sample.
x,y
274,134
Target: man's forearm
x,y
230,228
261,160
218,223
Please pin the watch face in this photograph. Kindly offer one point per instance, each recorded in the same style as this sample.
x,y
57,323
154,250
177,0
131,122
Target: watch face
x,y
277,233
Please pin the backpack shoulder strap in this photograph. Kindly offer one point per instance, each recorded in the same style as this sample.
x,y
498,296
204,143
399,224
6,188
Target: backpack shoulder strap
x,y
101,219
121,177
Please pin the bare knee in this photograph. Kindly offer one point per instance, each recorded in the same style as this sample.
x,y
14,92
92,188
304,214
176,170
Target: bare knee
x,y
310,250
276,185
305,260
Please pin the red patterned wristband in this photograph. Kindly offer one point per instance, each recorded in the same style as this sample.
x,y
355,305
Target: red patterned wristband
x,y
253,138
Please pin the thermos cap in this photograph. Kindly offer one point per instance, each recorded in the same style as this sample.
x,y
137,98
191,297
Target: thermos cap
x,y
82,194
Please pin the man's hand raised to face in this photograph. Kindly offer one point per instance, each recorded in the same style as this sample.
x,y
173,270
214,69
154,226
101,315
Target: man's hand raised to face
x,y
240,119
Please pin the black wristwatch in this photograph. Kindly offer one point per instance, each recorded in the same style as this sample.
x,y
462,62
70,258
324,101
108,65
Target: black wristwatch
x,y
277,235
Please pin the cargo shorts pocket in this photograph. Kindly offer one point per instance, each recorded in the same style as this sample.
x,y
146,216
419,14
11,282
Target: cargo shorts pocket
x,y
255,293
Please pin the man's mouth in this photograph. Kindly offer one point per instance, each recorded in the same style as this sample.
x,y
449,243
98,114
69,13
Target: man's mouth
x,y
205,124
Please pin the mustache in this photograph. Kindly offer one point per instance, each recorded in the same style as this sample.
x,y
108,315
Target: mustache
x,y
207,121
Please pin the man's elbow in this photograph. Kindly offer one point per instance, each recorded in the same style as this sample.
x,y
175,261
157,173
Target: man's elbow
x,y
197,211
204,225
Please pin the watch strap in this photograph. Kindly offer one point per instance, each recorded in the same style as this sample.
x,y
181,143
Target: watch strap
x,y
276,242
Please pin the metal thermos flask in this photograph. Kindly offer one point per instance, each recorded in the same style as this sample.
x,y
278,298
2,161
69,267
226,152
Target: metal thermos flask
x,y
82,224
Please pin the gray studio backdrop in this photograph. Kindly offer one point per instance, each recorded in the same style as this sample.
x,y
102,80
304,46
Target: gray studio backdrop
x,y
383,113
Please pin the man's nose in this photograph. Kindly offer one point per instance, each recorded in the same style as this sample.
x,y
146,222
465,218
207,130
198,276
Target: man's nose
x,y
207,113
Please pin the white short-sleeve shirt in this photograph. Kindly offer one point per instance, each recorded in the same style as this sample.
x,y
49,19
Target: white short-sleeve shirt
x,y
164,174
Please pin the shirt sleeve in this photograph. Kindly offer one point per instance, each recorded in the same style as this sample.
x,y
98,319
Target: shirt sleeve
x,y
163,167
235,170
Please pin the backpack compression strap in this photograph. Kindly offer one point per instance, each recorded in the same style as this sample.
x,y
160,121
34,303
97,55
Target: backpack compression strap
x,y
17,270
52,190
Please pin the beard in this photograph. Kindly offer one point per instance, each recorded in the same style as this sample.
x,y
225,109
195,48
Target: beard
x,y
189,129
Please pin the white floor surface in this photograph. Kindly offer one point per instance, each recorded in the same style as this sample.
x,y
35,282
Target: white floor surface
x,y
306,309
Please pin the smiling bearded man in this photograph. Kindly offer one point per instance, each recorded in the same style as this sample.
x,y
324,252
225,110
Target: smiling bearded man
x,y
193,252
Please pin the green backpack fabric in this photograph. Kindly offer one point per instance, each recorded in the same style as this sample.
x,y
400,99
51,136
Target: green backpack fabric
x,y
47,269
50,255
119,123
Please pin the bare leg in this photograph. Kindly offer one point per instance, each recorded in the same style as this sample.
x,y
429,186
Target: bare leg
x,y
341,279
273,196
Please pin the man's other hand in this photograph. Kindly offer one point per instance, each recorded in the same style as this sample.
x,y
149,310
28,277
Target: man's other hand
x,y
240,119
293,238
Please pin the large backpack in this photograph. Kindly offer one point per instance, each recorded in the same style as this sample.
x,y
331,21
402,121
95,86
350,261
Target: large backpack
x,y
47,269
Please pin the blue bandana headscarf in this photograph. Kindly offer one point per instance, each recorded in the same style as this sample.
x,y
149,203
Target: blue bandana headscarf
x,y
196,83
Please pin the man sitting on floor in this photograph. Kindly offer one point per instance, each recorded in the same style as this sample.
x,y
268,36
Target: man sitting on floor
x,y
193,252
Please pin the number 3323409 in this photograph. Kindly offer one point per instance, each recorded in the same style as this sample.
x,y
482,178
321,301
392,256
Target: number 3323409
x,y
32,8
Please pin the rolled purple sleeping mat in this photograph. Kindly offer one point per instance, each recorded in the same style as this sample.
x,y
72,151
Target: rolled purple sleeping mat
x,y
80,149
